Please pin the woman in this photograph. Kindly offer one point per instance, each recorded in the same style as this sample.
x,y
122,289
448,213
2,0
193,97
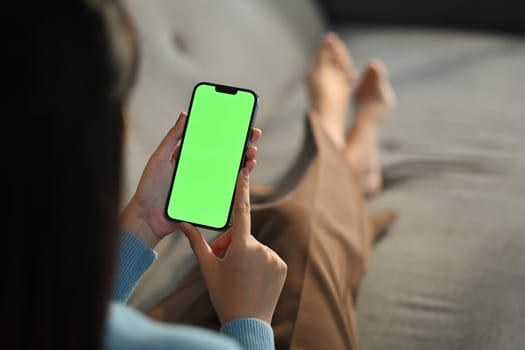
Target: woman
x,y
70,75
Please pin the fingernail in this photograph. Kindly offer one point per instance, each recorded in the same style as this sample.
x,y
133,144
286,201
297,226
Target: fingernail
x,y
181,115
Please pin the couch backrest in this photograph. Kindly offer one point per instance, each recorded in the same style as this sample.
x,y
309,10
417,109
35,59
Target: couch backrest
x,y
260,44
485,15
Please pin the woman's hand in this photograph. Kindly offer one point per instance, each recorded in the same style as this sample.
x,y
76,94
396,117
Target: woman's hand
x,y
244,277
144,215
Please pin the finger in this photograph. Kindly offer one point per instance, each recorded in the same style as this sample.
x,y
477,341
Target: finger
x,y
172,138
174,155
200,247
251,152
221,244
256,134
241,208
250,164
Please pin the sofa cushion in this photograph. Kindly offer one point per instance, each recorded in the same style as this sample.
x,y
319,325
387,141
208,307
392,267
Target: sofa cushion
x,y
451,273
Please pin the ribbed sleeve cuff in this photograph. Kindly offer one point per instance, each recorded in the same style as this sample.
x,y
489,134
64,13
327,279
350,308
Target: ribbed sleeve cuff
x,y
251,333
134,259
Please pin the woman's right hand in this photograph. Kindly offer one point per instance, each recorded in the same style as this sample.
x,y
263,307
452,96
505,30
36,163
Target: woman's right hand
x,y
247,280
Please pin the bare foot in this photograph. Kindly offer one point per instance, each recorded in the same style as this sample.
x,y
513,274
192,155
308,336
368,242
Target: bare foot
x,y
374,98
330,83
374,93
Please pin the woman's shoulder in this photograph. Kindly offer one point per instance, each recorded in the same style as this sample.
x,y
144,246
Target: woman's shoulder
x,y
129,329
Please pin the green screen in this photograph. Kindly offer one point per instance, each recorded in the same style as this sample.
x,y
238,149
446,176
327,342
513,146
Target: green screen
x,y
210,158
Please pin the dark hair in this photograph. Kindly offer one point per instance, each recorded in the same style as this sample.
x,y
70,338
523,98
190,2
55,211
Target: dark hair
x,y
68,74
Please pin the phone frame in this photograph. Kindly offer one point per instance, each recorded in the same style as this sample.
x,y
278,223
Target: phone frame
x,y
222,88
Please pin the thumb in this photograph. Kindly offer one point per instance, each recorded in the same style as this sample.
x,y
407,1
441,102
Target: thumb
x,y
172,138
200,247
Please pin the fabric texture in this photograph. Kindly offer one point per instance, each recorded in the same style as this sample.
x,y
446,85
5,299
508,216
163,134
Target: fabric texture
x,y
250,333
449,275
318,223
134,259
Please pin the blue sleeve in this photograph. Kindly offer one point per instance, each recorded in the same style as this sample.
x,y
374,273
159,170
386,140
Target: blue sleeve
x,y
128,329
251,333
134,259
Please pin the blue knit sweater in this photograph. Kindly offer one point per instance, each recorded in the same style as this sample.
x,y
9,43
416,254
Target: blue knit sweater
x,y
131,330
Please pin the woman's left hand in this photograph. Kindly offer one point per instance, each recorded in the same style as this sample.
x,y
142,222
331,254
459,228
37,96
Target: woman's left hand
x,y
145,213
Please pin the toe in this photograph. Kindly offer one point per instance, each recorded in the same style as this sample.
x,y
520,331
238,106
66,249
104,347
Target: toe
x,y
374,83
324,53
342,56
346,61
330,37
377,69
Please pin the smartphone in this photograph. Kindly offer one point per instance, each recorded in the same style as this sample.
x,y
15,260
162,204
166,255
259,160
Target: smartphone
x,y
212,152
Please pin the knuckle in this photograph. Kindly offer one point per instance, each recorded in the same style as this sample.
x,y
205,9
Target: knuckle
x,y
245,186
259,249
280,264
283,267
262,252
244,207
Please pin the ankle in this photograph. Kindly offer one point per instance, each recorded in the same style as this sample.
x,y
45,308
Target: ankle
x,y
370,113
364,128
329,110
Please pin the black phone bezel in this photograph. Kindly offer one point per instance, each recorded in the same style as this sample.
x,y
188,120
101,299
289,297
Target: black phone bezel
x,y
222,88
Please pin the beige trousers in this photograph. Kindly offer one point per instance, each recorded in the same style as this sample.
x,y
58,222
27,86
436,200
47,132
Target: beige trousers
x,y
318,223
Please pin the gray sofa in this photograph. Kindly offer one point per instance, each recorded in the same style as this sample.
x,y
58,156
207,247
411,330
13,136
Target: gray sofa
x,y
450,274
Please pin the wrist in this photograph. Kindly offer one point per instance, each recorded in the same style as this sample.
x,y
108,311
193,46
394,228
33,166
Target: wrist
x,y
133,220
